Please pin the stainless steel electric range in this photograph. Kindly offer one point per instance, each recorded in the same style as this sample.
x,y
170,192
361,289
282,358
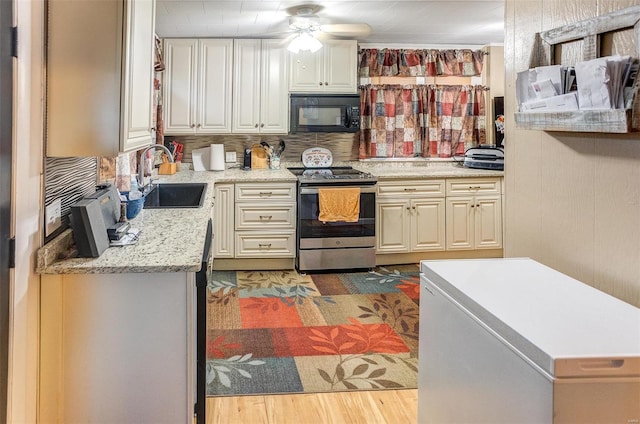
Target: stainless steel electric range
x,y
334,245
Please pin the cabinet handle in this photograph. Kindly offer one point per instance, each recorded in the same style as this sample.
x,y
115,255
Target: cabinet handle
x,y
267,245
193,125
255,126
261,125
263,217
266,193
410,189
198,126
474,187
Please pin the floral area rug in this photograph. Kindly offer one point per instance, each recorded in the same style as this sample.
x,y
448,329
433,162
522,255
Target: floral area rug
x,y
283,332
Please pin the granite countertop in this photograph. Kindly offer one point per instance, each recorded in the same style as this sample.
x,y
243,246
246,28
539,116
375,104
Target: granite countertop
x,y
384,170
423,169
172,240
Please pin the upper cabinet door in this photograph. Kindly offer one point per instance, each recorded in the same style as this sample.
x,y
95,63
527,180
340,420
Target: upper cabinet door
x,y
180,85
260,81
137,113
341,66
99,83
197,86
246,86
274,96
306,71
332,69
213,109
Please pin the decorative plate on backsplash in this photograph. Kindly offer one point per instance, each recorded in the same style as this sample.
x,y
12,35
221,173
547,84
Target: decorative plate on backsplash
x,y
317,157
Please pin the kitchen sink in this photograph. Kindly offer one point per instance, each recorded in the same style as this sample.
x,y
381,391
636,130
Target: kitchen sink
x,y
176,195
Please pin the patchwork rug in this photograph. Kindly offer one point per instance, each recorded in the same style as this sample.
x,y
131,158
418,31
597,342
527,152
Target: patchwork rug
x,y
285,332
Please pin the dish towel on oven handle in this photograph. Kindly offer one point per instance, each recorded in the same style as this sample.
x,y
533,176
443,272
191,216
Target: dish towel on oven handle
x,y
340,204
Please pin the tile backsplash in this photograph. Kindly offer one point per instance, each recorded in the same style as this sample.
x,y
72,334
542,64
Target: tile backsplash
x,y
68,179
343,146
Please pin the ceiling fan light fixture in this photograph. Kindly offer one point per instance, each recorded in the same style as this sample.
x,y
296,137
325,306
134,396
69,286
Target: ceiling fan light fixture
x,y
304,41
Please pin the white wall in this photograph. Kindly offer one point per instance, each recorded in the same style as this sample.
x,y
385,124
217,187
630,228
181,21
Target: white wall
x,y
26,200
572,199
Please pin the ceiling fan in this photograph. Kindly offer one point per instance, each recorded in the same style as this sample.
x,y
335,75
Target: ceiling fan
x,y
308,28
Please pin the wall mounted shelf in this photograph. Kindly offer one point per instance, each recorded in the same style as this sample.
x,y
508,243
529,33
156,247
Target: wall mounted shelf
x,y
590,31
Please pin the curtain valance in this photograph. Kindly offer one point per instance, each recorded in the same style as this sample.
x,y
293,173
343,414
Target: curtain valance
x,y
420,62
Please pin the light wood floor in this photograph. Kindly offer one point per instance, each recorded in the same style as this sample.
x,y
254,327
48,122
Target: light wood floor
x,y
374,407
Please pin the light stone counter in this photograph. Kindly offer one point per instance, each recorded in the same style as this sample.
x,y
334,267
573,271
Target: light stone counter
x,y
437,169
172,240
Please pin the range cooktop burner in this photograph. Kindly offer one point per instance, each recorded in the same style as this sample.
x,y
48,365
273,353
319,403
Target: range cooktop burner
x,y
332,175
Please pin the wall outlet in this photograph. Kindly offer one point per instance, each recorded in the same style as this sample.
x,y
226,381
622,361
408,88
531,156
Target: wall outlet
x,y
230,157
53,216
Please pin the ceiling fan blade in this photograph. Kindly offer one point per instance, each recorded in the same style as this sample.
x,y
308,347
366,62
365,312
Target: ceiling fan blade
x,y
346,30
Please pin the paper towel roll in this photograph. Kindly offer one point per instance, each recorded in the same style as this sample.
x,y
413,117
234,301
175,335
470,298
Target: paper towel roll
x,y
217,157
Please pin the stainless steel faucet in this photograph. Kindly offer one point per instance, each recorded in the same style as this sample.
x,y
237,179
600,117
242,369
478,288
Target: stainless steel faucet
x,y
142,159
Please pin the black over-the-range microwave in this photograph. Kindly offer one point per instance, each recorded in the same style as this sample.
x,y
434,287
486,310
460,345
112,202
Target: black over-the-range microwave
x,y
324,113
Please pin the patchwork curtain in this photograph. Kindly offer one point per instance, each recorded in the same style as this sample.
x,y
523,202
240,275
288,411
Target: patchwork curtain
x,y
454,119
420,62
420,120
390,121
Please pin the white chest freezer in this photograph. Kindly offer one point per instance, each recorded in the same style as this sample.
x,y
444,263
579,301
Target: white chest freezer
x,y
513,341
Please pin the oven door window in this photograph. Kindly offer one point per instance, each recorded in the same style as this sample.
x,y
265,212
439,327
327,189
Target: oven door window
x,y
310,227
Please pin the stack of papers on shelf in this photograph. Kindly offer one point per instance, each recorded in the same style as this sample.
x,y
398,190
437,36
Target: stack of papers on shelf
x,y
600,84
562,103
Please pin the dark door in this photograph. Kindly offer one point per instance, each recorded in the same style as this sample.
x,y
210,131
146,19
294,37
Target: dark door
x,y
6,102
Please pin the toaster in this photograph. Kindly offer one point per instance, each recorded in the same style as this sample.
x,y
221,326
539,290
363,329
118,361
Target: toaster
x,y
484,157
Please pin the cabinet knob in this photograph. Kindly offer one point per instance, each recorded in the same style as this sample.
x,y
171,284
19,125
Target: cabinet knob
x,y
473,206
320,82
478,205
408,208
255,126
193,126
326,83
261,125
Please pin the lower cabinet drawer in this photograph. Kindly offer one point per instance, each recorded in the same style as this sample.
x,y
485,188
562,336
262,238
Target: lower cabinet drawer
x,y
250,244
252,217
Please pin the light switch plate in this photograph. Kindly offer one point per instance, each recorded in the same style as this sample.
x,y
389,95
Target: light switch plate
x,y
230,157
53,216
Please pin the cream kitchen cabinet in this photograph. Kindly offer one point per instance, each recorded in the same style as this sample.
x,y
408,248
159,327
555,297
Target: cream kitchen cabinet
x,y
411,216
260,78
99,82
265,220
197,85
254,220
474,213
332,69
223,232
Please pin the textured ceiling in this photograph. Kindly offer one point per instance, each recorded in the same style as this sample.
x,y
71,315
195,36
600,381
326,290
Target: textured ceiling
x,y
424,22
